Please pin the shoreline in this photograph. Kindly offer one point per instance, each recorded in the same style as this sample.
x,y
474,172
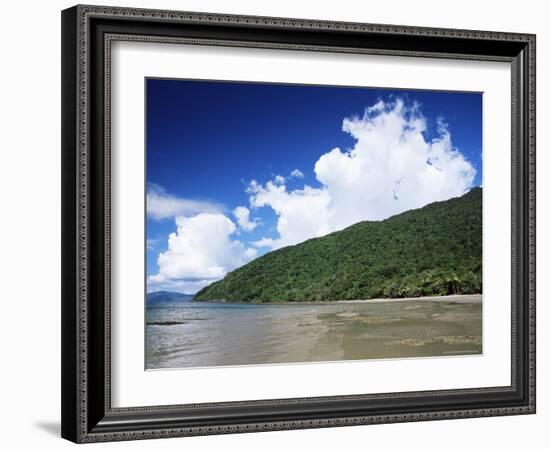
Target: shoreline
x,y
462,299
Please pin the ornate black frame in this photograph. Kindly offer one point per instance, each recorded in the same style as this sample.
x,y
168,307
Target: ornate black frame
x,y
87,33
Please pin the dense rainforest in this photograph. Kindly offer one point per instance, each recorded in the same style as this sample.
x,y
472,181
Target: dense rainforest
x,y
435,250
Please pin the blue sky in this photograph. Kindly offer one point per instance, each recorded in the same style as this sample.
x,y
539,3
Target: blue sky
x,y
216,146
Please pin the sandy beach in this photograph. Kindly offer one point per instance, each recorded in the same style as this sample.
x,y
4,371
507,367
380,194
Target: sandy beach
x,y
208,334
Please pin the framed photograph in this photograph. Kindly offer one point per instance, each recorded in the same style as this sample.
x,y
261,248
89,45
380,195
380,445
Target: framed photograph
x,y
277,223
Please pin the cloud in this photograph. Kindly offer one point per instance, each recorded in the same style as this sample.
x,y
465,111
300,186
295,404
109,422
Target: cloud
x,y
264,243
161,205
302,213
242,214
199,253
392,168
151,243
279,179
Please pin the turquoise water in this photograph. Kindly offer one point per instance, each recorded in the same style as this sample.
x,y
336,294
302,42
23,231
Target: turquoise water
x,y
188,334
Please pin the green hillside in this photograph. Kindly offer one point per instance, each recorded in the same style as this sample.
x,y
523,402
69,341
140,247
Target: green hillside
x,y
435,250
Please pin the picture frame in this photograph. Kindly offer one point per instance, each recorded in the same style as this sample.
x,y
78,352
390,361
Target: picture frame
x,y
87,411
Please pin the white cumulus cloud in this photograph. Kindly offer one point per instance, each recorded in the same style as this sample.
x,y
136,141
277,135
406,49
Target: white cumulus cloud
x,y
161,205
302,213
278,179
242,214
201,251
393,167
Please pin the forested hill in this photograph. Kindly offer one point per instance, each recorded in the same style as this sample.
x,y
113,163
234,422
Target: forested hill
x,y
164,296
435,250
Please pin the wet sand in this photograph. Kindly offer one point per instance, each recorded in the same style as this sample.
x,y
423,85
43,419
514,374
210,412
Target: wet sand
x,y
225,334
